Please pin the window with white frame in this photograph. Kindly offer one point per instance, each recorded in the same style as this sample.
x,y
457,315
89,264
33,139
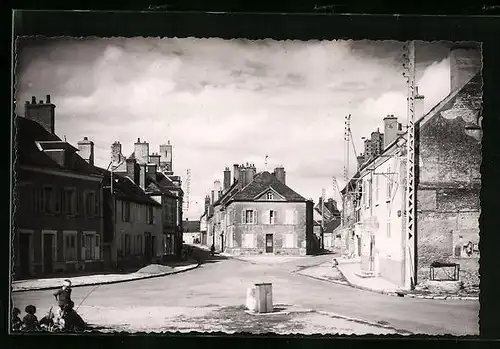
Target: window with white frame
x,y
70,254
248,241
289,217
270,196
91,246
90,204
69,201
248,216
125,211
272,216
289,241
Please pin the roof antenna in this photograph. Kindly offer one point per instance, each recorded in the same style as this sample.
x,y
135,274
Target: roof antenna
x,y
266,161
65,138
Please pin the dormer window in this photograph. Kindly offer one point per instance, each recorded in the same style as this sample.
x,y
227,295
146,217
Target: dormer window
x,y
270,196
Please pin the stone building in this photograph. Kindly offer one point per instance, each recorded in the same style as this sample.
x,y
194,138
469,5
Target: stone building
x,y
260,214
192,232
448,158
133,227
58,213
155,176
327,219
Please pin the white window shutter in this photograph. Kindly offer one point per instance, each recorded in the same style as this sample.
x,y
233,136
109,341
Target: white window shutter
x,y
275,214
255,217
243,216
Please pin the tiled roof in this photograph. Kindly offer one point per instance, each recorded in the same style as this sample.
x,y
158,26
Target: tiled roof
x,y
191,226
263,181
28,133
125,189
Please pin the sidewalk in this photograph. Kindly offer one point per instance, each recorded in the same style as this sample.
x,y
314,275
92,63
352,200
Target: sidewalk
x,y
89,280
325,272
350,269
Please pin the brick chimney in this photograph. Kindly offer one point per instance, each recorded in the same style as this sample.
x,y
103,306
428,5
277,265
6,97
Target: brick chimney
x,y
142,176
250,171
166,156
390,129
227,179
116,153
86,150
155,159
280,174
132,171
152,168
141,151
43,113
217,189
465,62
236,173
207,203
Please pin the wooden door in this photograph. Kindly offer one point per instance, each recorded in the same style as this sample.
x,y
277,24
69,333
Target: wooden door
x,y
269,243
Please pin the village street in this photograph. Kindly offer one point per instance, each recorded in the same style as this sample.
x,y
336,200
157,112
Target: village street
x,y
212,298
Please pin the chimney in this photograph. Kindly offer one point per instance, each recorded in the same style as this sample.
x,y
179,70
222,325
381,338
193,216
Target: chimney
x,y
361,160
227,179
116,153
236,173
43,113
465,62
141,151
280,174
142,176
419,105
86,150
155,159
166,156
212,197
249,174
132,170
207,203
152,168
217,188
390,129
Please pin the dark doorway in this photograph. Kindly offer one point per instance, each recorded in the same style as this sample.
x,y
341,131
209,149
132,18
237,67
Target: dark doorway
x,y
24,254
269,243
222,242
147,247
372,253
48,265
153,246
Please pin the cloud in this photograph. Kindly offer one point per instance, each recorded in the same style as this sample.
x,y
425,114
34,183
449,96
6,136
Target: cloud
x,y
221,102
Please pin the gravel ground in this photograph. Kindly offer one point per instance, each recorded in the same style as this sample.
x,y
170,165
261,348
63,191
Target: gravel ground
x,y
233,319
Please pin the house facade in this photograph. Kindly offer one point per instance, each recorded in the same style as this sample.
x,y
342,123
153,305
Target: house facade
x,y
448,158
260,214
153,173
58,197
192,232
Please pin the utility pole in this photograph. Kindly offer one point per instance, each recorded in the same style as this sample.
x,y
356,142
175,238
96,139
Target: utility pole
x,y
188,188
410,274
323,219
347,133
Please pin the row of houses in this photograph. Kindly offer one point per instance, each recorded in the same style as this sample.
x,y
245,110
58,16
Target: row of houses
x,y
70,215
257,213
447,185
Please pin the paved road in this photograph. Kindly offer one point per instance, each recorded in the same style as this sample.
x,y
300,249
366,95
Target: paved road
x,y
223,283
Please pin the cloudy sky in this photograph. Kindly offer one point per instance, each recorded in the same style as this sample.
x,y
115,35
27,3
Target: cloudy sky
x,y
222,102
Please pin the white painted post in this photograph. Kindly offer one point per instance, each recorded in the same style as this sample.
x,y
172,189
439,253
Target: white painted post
x,y
251,300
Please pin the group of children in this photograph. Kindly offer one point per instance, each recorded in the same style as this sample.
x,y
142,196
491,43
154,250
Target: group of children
x,y
66,317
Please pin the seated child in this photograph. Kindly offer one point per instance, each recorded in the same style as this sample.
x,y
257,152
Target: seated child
x,y
17,324
30,321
